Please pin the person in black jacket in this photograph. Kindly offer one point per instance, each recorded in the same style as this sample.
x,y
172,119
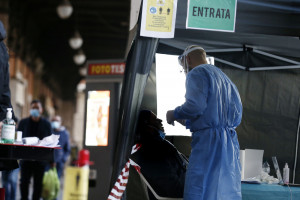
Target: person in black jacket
x,y
161,163
33,126
5,101
8,167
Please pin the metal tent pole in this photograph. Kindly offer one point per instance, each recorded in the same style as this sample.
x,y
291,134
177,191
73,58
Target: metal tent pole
x,y
296,150
274,68
229,63
276,57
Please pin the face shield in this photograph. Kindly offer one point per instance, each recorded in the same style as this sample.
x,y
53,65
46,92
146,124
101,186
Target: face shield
x,y
181,58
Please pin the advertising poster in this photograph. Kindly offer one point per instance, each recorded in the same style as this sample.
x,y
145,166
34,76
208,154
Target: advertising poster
x,y
96,133
216,15
158,18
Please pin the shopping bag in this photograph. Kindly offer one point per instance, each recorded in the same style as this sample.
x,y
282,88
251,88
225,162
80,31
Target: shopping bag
x,y
51,184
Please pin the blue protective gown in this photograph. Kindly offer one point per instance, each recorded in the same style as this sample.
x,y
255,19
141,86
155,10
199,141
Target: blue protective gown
x,y
214,108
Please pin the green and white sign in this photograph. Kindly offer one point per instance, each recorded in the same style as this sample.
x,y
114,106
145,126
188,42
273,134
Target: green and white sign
x,y
216,15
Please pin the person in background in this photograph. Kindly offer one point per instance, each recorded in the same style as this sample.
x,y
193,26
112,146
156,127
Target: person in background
x,y
33,126
60,155
212,110
10,180
9,183
9,168
5,101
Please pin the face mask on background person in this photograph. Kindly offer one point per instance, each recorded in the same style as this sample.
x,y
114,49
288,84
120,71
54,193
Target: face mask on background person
x,y
34,112
55,124
161,133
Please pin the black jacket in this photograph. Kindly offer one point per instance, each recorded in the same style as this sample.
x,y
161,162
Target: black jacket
x,y
43,128
4,92
4,76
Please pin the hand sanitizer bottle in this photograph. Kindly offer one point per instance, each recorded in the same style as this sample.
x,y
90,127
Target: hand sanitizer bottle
x,y
8,128
286,174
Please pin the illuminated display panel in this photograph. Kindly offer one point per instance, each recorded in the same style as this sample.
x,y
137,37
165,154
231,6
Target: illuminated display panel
x,y
97,119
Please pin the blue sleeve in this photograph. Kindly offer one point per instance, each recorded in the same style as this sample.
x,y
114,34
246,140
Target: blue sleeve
x,y
66,147
196,96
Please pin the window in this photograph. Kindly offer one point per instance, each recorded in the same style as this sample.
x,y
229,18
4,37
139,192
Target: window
x,y
170,86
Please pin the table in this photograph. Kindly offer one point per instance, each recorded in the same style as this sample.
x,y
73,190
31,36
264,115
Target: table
x,y
26,152
269,192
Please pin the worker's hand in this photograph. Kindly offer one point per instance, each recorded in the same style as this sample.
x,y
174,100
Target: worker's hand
x,y
170,117
181,121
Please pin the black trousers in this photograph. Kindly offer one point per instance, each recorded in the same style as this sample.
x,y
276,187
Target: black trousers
x,y
36,170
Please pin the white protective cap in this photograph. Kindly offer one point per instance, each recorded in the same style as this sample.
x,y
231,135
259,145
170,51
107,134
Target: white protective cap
x,y
9,113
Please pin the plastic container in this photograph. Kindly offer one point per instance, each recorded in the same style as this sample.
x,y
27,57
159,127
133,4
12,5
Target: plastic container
x,y
286,174
8,128
266,167
19,138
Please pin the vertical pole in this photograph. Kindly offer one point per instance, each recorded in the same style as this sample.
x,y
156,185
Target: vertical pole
x,y
296,150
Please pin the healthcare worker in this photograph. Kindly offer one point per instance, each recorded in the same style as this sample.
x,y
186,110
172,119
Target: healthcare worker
x,y
212,110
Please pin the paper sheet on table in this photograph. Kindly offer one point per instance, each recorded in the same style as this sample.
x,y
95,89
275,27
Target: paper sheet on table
x,y
50,141
251,162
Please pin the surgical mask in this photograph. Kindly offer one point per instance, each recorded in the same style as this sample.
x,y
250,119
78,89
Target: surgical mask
x,y
162,134
55,124
34,112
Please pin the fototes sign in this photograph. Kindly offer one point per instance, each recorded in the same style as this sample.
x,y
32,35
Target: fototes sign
x,y
216,15
106,69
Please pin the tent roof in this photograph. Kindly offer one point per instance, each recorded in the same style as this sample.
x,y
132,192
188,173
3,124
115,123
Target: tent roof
x,y
271,17
272,27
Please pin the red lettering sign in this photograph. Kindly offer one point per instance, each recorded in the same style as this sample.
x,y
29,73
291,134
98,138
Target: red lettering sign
x,y
106,69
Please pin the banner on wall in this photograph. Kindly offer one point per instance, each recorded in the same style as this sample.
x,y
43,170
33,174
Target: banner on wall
x,y
158,18
215,15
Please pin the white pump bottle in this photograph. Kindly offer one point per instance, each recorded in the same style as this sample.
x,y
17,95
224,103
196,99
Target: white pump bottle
x,y
286,174
8,128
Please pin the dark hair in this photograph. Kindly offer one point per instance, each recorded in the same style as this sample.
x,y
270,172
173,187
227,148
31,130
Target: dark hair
x,y
143,133
35,101
143,118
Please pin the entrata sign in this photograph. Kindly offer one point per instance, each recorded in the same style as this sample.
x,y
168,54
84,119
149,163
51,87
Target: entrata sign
x,y
106,69
217,15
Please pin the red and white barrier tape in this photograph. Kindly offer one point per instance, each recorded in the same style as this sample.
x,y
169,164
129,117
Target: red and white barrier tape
x,y
120,185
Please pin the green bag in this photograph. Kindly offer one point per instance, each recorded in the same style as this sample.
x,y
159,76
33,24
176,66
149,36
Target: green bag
x,y
51,184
